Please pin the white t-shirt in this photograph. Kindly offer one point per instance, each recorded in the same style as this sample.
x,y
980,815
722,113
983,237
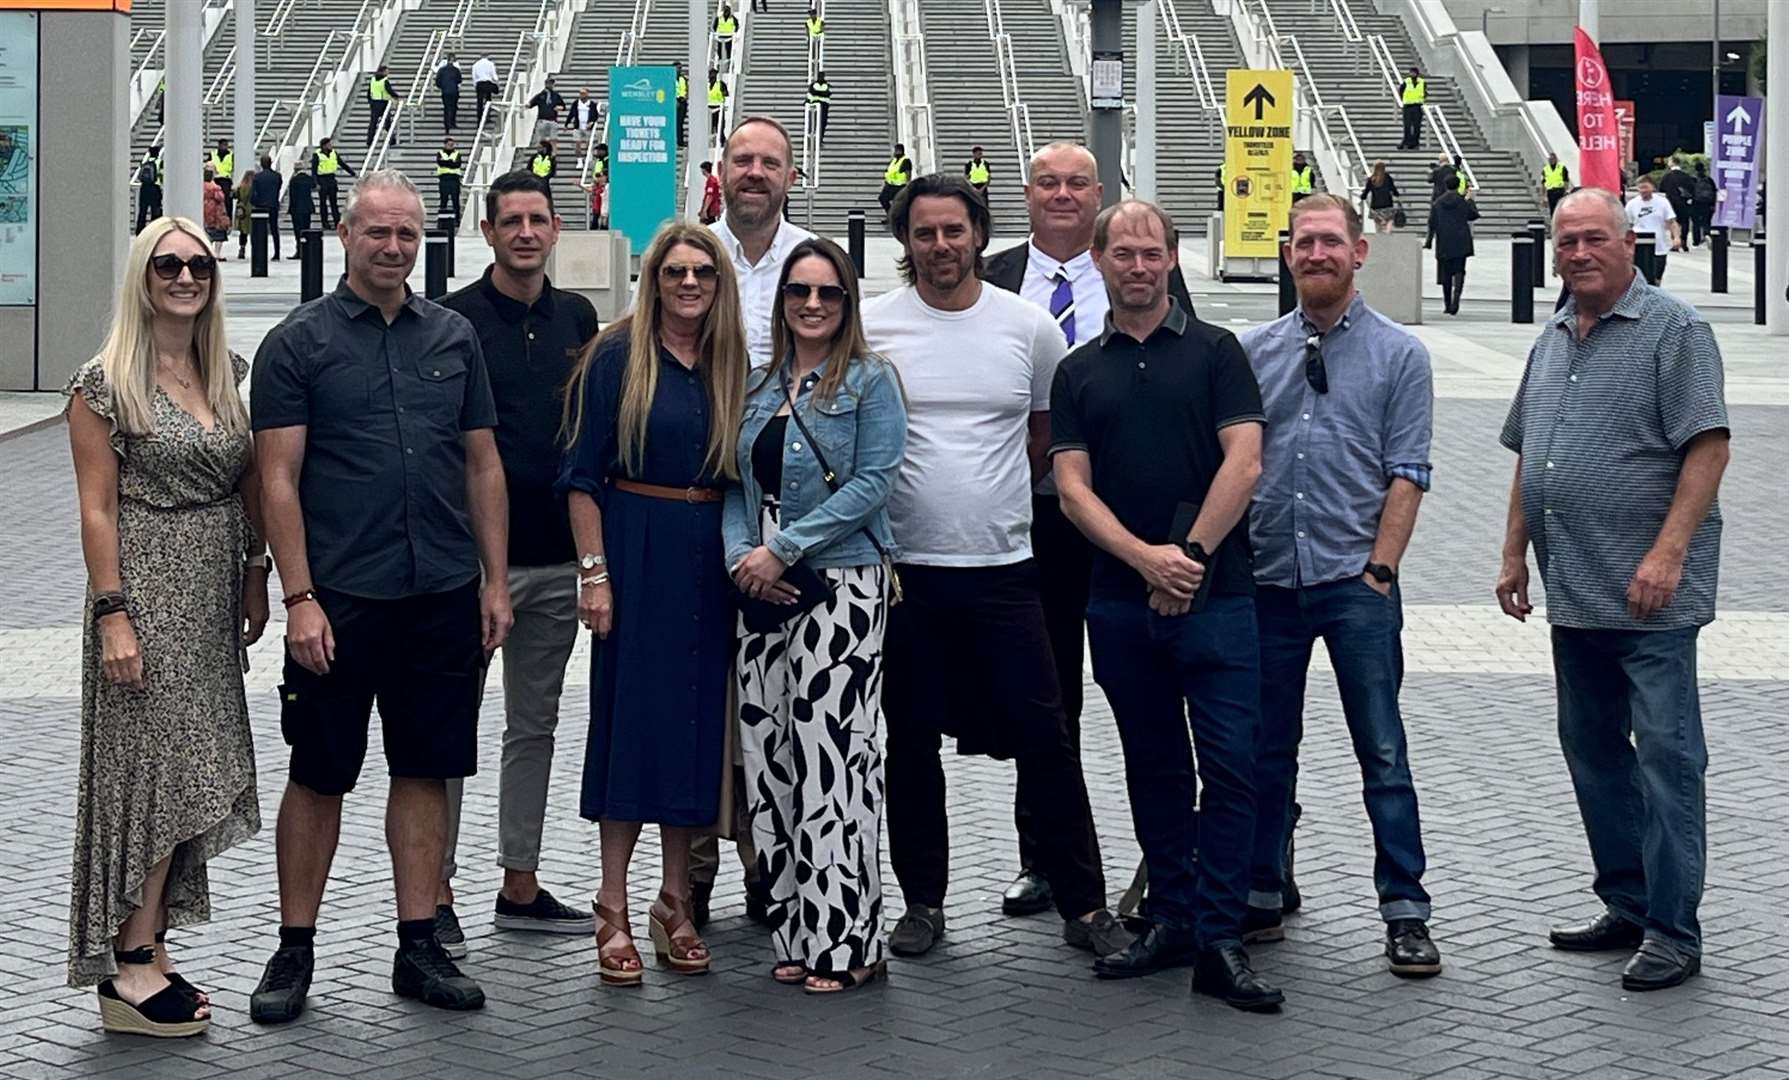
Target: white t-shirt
x,y
1652,218
972,378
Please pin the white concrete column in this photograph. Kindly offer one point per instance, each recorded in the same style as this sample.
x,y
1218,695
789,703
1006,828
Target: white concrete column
x,y
185,49
1517,62
242,129
1590,17
1776,172
1148,15
697,67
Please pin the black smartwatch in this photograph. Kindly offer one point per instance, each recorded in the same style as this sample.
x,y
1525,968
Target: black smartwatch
x,y
1196,552
1381,573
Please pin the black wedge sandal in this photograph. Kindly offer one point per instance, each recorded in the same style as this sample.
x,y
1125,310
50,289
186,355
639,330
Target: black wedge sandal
x,y
168,1014
179,981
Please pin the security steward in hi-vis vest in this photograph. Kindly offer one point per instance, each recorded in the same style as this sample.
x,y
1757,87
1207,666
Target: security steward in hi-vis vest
x,y
683,107
1303,177
894,178
448,171
379,98
1556,180
544,164
977,170
820,93
1412,94
327,163
223,169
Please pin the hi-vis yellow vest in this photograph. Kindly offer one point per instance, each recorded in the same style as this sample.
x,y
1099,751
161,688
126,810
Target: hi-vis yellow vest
x,y
725,27
895,175
380,89
1554,176
1301,180
542,166
1416,91
223,168
327,164
683,88
816,26
1461,181
978,172
447,164
717,93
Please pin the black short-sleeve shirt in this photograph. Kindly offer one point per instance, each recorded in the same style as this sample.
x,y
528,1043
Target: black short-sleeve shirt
x,y
385,408
1148,415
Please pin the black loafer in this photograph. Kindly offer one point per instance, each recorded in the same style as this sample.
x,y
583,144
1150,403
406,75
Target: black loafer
x,y
1103,935
1409,950
1655,967
1159,949
1224,973
423,970
757,905
917,931
1607,931
1027,895
279,997
1261,926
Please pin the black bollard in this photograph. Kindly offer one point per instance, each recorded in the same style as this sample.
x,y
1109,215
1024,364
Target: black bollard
x,y
434,273
1288,288
444,221
854,238
1717,250
310,264
1537,230
1760,269
257,241
1521,278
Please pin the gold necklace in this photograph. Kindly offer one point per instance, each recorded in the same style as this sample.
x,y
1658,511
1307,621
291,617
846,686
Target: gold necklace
x,y
172,374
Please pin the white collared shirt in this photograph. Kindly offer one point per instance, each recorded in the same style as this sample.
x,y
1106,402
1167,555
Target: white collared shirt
x,y
757,283
484,70
1091,303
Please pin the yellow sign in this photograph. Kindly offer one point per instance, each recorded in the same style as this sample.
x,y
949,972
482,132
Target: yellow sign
x,y
1257,161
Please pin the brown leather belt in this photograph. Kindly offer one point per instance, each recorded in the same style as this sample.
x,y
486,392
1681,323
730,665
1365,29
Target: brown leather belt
x,y
675,494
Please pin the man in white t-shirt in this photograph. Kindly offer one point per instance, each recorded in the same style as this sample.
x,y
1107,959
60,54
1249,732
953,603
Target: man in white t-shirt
x,y
967,653
1655,227
757,171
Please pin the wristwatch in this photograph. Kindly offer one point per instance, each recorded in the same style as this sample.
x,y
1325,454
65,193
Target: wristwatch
x,y
1381,573
1196,552
107,603
591,562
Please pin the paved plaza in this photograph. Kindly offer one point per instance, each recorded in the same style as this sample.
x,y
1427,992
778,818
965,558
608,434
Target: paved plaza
x,y
1003,997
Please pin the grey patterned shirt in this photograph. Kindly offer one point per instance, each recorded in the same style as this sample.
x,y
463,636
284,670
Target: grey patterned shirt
x,y
1601,425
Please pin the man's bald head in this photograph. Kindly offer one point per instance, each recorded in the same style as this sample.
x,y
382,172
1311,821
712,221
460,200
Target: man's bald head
x,y
1588,199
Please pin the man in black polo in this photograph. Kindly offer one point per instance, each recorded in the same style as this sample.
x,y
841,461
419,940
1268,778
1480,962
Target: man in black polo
x,y
532,335
1156,443
383,493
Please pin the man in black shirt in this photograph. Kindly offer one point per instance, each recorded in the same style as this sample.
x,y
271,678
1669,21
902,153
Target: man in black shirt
x,y
301,200
546,106
532,335
1156,442
384,499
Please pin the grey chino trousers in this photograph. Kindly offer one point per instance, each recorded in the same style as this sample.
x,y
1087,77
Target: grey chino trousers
x,y
545,599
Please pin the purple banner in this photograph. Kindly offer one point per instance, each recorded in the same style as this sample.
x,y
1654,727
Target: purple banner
x,y
1739,129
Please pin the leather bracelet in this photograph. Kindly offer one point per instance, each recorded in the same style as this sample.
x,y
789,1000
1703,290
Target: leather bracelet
x,y
108,603
597,579
307,596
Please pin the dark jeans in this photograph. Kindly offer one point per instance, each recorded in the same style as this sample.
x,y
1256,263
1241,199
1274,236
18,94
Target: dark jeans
x,y
1064,559
376,118
448,197
1700,219
1413,128
1630,723
967,654
1650,263
1155,670
1361,630
327,191
450,110
149,204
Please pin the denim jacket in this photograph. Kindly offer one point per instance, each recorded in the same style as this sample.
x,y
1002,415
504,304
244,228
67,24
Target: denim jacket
x,y
863,434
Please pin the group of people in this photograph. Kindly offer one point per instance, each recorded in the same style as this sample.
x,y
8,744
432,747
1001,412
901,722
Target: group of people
x,y
812,534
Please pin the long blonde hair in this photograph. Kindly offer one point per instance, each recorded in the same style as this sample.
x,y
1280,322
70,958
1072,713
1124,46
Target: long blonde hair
x,y
128,355
722,361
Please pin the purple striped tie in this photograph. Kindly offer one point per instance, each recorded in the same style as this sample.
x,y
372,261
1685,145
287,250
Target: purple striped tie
x,y
1062,305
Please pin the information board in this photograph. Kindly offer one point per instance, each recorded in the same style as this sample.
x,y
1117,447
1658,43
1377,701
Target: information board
x,y
1257,161
18,157
642,151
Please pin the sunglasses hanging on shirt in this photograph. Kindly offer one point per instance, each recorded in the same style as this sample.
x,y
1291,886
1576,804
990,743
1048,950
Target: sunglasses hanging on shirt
x,y
1314,371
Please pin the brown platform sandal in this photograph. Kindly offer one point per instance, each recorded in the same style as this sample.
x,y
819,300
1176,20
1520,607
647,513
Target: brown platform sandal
x,y
673,953
170,1013
611,924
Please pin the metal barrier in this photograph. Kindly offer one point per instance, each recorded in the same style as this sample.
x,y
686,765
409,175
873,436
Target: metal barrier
x,y
1012,102
503,126
808,175
1437,119
913,104
626,52
1342,161
412,103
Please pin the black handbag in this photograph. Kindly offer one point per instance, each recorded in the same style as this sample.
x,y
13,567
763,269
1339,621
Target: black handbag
x,y
763,616
1399,219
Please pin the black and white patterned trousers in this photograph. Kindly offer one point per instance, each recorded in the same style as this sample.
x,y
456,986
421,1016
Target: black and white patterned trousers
x,y
810,712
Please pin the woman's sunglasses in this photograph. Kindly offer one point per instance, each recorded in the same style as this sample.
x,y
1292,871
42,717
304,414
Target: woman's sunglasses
x,y
801,290
168,267
678,271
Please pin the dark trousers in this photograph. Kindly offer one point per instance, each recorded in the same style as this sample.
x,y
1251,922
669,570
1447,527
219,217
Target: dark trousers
x,y
377,117
825,116
326,201
1064,559
1630,723
683,121
450,110
149,204
448,196
1553,197
229,196
485,91
1154,670
967,654
1413,128
273,229
887,196
1361,630
1649,260
301,222
1681,208
1701,217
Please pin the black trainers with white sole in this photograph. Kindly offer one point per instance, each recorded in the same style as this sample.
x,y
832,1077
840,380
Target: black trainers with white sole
x,y
541,915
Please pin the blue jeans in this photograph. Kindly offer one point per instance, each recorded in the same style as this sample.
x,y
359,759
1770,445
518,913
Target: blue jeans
x,y
1630,723
1361,630
1152,668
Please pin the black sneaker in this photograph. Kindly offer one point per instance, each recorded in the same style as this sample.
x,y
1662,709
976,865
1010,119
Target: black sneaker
x,y
1408,949
423,970
448,932
542,915
279,997
1262,925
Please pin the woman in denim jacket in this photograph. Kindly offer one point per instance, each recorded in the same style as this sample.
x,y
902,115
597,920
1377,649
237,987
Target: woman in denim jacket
x,y
810,690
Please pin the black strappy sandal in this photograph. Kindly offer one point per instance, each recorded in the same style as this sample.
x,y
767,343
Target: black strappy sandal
x,y
845,979
800,977
168,1014
178,980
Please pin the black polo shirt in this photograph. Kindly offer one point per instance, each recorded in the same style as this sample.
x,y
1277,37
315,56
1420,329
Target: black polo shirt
x,y
385,408
1148,415
531,351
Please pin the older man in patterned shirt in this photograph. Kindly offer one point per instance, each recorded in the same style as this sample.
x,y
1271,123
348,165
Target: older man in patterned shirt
x,y
1622,434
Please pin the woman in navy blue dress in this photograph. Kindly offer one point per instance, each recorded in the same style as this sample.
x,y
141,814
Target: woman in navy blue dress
x,y
652,420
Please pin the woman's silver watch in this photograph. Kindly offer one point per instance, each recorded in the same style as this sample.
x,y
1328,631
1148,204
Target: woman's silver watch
x,y
588,561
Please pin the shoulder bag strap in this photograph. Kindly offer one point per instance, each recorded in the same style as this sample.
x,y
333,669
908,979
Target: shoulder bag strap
x,y
832,480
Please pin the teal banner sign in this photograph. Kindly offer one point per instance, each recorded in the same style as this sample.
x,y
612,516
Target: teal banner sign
x,y
642,151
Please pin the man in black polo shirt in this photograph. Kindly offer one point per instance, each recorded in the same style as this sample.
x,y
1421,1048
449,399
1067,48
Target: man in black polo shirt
x,y
383,494
532,335
1156,443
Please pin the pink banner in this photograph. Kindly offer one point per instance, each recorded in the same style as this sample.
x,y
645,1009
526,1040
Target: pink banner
x,y
1599,139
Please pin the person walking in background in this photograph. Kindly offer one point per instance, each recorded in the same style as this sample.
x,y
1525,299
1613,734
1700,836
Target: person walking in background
x,y
1679,190
170,523
711,195
1655,225
264,195
1703,195
380,97
1556,180
717,100
1349,400
1380,197
244,211
1443,178
1621,437
807,540
150,175
599,186
581,114
1413,92
683,106
484,84
1451,220
532,335
327,163
449,168
301,199
652,422
223,170
896,177
726,27
447,80
546,105
820,94
217,217
544,163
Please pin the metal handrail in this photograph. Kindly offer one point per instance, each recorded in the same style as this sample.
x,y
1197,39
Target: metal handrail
x,y
308,95
1438,121
627,50
408,104
1193,56
913,104
1344,17
273,112
1351,168
1018,116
